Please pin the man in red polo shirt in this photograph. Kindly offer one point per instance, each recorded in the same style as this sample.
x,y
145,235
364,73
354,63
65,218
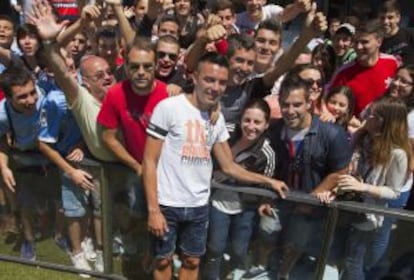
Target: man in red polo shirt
x,y
370,74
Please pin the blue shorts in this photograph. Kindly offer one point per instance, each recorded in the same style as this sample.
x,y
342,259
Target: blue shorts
x,y
188,226
76,200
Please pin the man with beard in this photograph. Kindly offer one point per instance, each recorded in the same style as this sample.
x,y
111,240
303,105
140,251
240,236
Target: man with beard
x,y
128,107
241,54
316,153
370,74
397,41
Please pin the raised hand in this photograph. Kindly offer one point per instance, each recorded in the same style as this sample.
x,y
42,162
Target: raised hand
x,y
41,16
216,32
90,13
315,22
304,5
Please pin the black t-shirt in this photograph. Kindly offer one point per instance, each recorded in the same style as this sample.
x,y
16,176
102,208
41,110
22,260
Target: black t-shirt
x,y
236,97
400,45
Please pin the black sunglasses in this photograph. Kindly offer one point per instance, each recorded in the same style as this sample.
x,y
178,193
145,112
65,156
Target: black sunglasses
x,y
171,56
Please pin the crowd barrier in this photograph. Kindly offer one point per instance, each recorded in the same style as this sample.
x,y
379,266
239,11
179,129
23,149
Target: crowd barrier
x,y
293,196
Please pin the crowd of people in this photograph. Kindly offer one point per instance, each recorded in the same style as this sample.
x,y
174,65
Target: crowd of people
x,y
169,96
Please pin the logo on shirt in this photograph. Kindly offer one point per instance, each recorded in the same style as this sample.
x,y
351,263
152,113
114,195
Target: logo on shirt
x,y
195,149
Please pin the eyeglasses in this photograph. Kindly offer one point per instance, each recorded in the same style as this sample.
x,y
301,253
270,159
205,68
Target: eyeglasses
x,y
171,56
99,75
311,82
402,81
134,67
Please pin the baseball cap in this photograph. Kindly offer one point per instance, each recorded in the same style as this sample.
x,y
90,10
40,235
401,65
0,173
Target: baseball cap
x,y
346,27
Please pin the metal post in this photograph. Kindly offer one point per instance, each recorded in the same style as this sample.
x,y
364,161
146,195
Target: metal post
x,y
328,238
106,199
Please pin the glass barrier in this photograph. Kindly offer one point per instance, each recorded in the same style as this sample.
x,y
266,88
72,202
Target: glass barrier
x,y
298,238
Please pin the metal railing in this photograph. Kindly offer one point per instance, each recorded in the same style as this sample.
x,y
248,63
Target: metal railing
x,y
292,196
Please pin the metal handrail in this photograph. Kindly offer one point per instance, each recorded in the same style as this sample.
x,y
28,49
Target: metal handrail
x,y
301,197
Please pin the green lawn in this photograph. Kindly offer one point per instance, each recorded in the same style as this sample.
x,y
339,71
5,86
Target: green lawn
x,y
46,251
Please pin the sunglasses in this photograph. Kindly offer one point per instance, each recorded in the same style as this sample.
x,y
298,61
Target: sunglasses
x,y
171,56
311,82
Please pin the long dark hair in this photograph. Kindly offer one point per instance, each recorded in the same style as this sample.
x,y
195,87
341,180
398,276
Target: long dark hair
x,y
347,92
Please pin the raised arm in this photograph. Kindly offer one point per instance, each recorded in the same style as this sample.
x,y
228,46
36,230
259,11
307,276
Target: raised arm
x,y
196,51
88,13
125,27
48,30
314,25
293,10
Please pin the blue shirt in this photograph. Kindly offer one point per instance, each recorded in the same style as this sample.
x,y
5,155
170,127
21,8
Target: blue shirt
x,y
25,127
59,126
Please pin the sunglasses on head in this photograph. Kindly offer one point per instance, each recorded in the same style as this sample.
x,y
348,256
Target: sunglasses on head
x,y
171,56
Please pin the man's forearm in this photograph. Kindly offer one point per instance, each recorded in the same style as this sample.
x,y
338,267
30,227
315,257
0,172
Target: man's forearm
x,y
150,185
55,157
241,174
329,182
122,154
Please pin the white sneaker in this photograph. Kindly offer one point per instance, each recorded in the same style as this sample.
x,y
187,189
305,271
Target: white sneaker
x,y
99,263
87,247
79,261
236,274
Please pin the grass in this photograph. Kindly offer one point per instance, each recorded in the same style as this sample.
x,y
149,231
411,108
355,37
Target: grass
x,y
46,251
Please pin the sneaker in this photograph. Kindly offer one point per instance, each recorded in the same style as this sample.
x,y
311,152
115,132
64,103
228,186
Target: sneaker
x,y
79,261
27,251
255,272
236,274
99,263
117,246
63,243
89,251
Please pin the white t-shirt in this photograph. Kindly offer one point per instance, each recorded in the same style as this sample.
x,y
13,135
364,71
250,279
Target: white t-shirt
x,y
185,166
245,24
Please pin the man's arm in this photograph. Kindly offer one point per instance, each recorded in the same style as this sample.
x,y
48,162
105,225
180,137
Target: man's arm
x,y
330,181
109,137
197,50
222,153
6,172
291,11
125,27
314,25
157,224
88,13
48,31
81,178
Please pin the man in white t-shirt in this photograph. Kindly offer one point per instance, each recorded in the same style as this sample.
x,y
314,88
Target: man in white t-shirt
x,y
177,174
257,11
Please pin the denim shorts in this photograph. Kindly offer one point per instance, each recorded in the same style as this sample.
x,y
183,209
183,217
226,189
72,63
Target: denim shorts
x,y
187,227
76,200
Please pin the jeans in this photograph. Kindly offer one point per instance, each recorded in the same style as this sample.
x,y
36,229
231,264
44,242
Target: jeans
x,y
381,237
225,227
188,226
355,250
